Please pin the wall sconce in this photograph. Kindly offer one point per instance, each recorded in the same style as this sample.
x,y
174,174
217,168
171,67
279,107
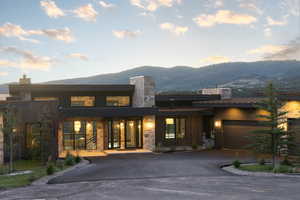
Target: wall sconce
x,y
14,130
149,124
218,124
131,124
77,126
122,125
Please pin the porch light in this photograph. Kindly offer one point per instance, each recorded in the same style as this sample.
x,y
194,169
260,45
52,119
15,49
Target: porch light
x,y
77,126
218,124
131,124
14,130
122,125
149,124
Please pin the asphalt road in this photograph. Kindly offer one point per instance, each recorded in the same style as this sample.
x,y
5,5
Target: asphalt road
x,y
160,176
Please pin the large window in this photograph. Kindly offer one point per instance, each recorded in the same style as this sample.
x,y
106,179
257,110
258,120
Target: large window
x,y
88,101
80,135
117,101
175,128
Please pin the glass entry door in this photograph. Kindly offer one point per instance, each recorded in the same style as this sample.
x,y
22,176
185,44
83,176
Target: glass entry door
x,y
124,134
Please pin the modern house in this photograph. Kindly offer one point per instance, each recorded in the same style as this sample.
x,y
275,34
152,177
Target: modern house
x,y
95,120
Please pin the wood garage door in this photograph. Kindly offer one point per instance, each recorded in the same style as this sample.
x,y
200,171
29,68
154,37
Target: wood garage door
x,y
236,132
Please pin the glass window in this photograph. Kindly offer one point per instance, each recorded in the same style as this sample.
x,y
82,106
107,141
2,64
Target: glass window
x,y
45,98
175,128
80,135
33,135
170,128
83,101
117,101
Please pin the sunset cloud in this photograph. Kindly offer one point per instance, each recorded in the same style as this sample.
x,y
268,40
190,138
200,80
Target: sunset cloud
x,y
28,60
12,30
267,49
51,9
224,17
106,5
177,30
272,22
153,5
215,60
122,34
78,55
86,12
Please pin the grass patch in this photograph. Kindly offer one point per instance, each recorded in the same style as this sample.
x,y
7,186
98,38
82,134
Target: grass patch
x,y
37,168
257,168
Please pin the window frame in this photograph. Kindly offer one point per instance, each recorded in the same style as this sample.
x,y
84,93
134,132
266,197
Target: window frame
x,y
175,128
83,106
106,101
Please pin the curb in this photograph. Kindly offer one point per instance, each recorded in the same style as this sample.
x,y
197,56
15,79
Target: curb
x,y
229,168
44,180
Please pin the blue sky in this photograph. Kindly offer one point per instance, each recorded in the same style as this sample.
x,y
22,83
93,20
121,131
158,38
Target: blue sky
x,y
49,40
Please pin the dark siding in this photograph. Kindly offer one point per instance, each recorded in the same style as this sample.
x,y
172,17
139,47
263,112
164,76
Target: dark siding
x,y
294,126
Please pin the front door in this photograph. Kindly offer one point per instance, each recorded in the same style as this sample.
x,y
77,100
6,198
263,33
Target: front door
x,y
114,134
133,134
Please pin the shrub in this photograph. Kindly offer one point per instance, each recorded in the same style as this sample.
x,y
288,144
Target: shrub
x,y
60,164
236,163
286,162
77,159
262,162
195,146
50,169
283,169
69,160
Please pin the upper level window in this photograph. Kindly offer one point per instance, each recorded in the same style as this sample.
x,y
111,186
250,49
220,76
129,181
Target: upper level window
x,y
45,98
82,101
117,101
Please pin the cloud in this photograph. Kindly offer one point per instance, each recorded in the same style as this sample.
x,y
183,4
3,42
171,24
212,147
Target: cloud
x,y
106,5
51,9
215,60
28,60
289,52
153,5
292,7
251,6
272,22
177,30
267,32
78,55
86,12
12,30
268,49
3,73
224,17
121,34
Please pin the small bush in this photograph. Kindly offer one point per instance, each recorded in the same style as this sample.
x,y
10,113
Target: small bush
x,y
77,159
195,146
50,169
286,162
70,160
283,169
262,162
236,163
60,164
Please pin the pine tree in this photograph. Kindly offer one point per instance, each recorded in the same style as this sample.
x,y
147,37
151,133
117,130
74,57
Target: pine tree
x,y
273,137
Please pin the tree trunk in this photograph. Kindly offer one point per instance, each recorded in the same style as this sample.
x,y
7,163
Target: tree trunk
x,y
10,153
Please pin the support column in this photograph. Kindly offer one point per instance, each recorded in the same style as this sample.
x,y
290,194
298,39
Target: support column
x,y
149,132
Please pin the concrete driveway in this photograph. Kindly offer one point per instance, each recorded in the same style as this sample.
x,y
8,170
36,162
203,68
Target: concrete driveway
x,y
194,175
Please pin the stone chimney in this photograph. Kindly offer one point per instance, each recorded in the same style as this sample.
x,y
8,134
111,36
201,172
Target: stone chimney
x,y
24,80
144,93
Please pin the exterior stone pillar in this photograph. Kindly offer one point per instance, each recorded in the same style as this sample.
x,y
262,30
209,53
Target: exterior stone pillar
x,y
149,132
60,139
1,140
100,136
144,93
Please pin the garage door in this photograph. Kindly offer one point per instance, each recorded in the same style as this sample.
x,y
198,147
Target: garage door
x,y
236,132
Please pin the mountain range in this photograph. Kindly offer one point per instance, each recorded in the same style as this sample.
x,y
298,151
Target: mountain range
x,y
237,75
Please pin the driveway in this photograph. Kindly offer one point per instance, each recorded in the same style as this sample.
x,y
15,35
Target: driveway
x,y
172,176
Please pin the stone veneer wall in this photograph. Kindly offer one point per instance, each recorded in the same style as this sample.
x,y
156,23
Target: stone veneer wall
x,y
1,141
149,132
144,94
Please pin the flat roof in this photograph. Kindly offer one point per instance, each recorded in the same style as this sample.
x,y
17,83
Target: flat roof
x,y
186,97
16,88
233,102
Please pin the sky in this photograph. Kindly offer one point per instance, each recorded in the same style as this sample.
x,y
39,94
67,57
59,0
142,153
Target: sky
x,y
59,39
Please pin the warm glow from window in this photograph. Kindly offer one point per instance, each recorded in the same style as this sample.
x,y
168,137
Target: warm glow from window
x,y
117,101
170,121
82,101
77,126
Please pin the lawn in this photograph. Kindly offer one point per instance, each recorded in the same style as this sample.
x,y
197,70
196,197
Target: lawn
x,y
38,170
267,168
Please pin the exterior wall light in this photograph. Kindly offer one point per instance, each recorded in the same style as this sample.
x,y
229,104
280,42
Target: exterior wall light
x,y
218,124
77,126
149,125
